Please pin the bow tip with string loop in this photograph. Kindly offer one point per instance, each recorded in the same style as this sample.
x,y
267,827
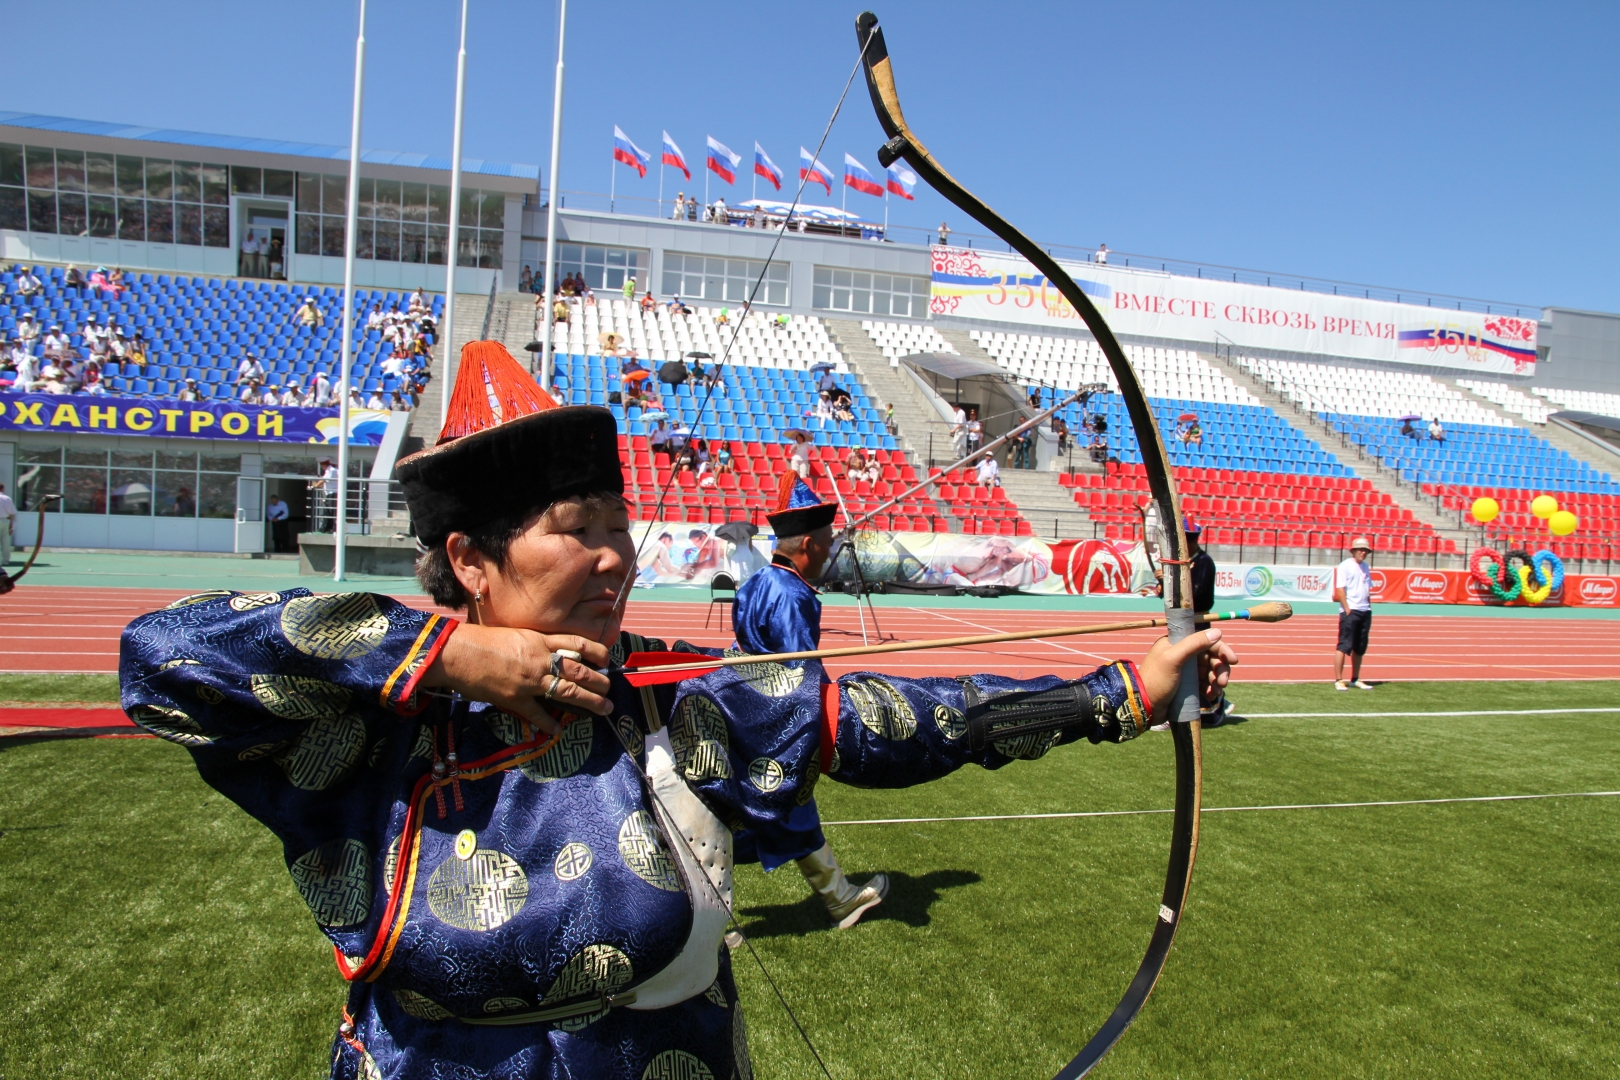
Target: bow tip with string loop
x,y
903,144
8,582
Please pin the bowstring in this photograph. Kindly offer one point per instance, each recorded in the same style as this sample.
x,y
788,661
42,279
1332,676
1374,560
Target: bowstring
x,y
719,367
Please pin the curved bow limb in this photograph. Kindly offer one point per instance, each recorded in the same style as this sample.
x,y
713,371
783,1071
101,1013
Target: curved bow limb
x,y
9,581
903,143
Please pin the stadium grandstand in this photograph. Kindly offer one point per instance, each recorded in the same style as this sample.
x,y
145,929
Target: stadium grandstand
x,y
1277,451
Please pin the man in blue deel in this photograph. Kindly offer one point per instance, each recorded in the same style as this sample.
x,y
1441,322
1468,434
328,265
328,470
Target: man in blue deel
x,y
777,611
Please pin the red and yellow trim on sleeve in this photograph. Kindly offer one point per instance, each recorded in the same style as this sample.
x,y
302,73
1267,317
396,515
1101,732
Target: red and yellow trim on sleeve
x,y
401,696
1137,709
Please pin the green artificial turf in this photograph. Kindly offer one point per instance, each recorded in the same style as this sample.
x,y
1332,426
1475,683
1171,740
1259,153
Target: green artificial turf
x,y
74,686
149,929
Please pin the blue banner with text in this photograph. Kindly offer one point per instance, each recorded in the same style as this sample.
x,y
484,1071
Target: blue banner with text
x,y
167,418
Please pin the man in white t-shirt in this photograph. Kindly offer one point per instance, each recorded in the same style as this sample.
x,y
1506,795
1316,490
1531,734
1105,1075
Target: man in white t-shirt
x,y
989,471
1352,591
8,520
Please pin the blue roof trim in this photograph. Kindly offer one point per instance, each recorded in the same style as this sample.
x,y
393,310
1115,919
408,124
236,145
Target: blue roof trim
x,y
262,146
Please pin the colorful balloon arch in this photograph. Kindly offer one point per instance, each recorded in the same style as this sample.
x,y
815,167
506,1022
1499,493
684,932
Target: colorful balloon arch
x,y
1518,575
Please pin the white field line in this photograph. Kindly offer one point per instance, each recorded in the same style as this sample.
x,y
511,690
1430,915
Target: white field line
x,y
1230,809
1463,712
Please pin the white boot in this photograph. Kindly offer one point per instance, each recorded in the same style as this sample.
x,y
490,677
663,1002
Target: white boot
x,y
846,902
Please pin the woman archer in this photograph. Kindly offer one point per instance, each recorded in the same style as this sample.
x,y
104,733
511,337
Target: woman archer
x,y
524,863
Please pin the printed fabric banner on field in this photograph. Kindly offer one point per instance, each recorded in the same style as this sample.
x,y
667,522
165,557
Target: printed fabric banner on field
x,y
167,418
1006,288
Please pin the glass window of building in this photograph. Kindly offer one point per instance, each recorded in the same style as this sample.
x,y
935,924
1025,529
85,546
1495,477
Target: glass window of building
x,y
719,280
395,221
870,294
129,483
75,193
601,267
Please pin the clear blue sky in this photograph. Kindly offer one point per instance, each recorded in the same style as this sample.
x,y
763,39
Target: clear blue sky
x,y
1466,149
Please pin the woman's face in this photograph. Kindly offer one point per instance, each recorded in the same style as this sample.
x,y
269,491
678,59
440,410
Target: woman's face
x,y
562,574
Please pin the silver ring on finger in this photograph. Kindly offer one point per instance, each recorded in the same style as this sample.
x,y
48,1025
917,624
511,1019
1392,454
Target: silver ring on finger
x,y
546,690
558,657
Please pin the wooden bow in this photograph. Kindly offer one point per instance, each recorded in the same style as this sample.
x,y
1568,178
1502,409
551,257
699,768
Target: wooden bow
x,y
9,581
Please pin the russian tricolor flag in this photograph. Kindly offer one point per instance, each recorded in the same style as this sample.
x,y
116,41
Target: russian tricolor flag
x,y
764,166
813,170
856,176
672,156
628,152
722,161
901,181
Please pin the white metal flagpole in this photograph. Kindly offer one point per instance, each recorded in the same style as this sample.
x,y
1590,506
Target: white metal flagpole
x,y
340,548
613,181
547,360
453,256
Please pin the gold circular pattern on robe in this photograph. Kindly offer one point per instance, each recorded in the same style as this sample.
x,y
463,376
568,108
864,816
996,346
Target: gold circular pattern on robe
x,y
337,626
697,733
170,724
883,709
325,750
391,863
420,1006
565,757
812,773
254,600
335,881
505,1004
1029,746
766,774
262,750
951,723
643,852
595,969
479,893
676,1065
199,598
771,679
209,694
630,738
572,861
298,697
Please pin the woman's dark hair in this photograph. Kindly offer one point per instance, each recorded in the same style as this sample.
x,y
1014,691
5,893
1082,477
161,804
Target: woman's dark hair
x,y
494,541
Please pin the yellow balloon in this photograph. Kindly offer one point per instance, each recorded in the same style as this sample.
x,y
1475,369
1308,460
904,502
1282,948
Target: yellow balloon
x,y
1544,506
1485,510
1563,523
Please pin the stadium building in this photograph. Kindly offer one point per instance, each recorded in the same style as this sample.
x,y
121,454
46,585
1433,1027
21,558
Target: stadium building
x,y
1282,403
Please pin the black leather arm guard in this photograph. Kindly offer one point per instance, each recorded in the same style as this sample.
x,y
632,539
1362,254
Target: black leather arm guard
x,y
1005,716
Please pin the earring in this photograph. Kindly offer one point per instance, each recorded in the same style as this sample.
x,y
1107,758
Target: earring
x,y
478,597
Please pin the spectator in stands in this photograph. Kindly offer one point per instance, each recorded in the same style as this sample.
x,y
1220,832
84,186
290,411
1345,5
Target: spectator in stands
x,y
843,406
248,264
116,280
249,369
723,462
397,402
680,207
1408,430
308,315
375,318
975,431
944,234
658,439
989,473
861,467
55,343
250,392
888,420
648,304
1437,432
1101,257
1099,448
1352,591
959,431
271,394
8,522
27,328
526,280
722,214
822,410
54,379
1022,444
321,387
325,490
291,396
375,401
277,513
277,258
190,393
73,279
28,284
560,311
101,282
1060,428
799,454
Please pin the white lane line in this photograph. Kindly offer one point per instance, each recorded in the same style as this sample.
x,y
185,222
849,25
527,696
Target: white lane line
x,y
1461,712
1231,809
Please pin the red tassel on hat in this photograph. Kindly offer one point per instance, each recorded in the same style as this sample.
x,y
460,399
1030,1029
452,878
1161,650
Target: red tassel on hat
x,y
784,490
491,388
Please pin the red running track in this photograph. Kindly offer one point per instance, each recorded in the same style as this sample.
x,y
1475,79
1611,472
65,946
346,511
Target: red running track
x,y
64,628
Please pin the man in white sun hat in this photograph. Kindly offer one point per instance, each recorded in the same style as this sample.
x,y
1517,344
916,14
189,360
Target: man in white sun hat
x,y
1352,591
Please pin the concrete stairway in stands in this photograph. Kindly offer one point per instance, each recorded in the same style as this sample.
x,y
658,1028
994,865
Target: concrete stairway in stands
x,y
888,385
511,323
1366,466
1049,507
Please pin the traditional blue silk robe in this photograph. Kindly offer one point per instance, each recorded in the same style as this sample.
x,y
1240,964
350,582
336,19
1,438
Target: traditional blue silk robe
x,y
472,873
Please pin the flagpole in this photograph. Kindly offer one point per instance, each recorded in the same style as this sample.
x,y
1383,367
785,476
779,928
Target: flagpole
x,y
340,548
547,359
453,257
613,180
660,181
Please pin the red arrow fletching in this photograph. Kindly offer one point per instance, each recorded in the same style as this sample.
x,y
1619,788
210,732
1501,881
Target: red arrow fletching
x,y
636,661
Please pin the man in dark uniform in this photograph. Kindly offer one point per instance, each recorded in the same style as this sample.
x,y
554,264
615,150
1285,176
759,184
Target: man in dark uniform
x,y
777,611
1203,590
